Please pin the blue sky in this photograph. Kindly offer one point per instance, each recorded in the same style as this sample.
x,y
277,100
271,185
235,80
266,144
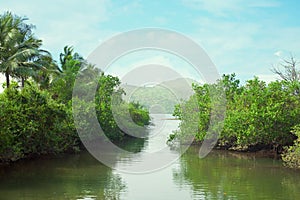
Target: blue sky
x,y
242,36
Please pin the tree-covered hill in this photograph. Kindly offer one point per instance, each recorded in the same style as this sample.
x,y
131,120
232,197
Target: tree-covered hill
x,y
162,97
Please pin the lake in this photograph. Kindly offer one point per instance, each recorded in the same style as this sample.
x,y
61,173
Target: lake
x,y
220,175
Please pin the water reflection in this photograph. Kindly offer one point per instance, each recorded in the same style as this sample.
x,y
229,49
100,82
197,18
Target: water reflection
x,y
78,176
137,157
225,175
68,177
221,175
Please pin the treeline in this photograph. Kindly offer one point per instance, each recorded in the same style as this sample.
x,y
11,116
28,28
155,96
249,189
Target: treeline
x,y
258,116
36,114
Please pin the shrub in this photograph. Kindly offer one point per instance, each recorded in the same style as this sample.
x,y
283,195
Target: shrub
x,y
33,123
291,156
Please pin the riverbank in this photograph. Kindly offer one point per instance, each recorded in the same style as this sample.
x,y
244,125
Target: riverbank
x,y
264,151
255,116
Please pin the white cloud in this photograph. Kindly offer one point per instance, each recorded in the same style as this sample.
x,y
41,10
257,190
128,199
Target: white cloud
x,y
61,23
246,48
278,53
228,43
240,36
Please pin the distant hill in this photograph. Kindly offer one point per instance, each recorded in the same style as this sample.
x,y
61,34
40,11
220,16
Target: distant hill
x,y
160,98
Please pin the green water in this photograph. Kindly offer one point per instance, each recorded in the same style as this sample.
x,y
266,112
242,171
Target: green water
x,y
221,175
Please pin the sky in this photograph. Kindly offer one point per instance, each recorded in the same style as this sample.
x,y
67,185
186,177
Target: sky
x,y
246,37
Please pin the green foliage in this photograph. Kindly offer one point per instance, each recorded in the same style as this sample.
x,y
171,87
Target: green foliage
x,y
117,117
139,114
33,123
38,118
63,83
20,53
196,113
262,114
256,114
291,156
106,91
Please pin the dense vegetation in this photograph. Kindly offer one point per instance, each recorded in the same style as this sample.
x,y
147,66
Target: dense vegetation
x,y
36,111
291,157
33,123
258,115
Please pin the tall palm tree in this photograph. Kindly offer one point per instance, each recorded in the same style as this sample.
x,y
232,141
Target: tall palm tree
x,y
32,61
8,34
20,52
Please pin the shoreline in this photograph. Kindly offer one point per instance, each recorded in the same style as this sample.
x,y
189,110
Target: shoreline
x,y
261,153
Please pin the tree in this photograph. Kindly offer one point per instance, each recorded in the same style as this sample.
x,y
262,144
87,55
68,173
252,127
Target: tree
x,y
291,156
257,115
45,72
70,64
290,73
8,33
20,51
69,55
33,63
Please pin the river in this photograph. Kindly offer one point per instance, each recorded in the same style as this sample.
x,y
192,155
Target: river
x,y
220,175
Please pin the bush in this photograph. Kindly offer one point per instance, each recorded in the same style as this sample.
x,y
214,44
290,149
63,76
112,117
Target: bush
x,y
257,114
33,123
291,156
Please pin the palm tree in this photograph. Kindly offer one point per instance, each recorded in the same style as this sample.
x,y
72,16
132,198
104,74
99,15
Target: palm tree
x,y
20,53
33,61
69,56
45,70
8,33
70,64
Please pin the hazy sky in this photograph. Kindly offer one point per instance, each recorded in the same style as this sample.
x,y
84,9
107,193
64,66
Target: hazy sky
x,y
241,36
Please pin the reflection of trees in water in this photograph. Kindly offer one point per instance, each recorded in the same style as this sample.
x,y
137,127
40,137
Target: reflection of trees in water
x,y
134,145
222,176
114,187
78,176
68,177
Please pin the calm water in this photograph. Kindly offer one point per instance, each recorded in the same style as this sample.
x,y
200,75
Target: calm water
x,y
221,175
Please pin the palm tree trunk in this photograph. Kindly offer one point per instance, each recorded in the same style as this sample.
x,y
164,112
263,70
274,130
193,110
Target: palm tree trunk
x,y
23,80
7,79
